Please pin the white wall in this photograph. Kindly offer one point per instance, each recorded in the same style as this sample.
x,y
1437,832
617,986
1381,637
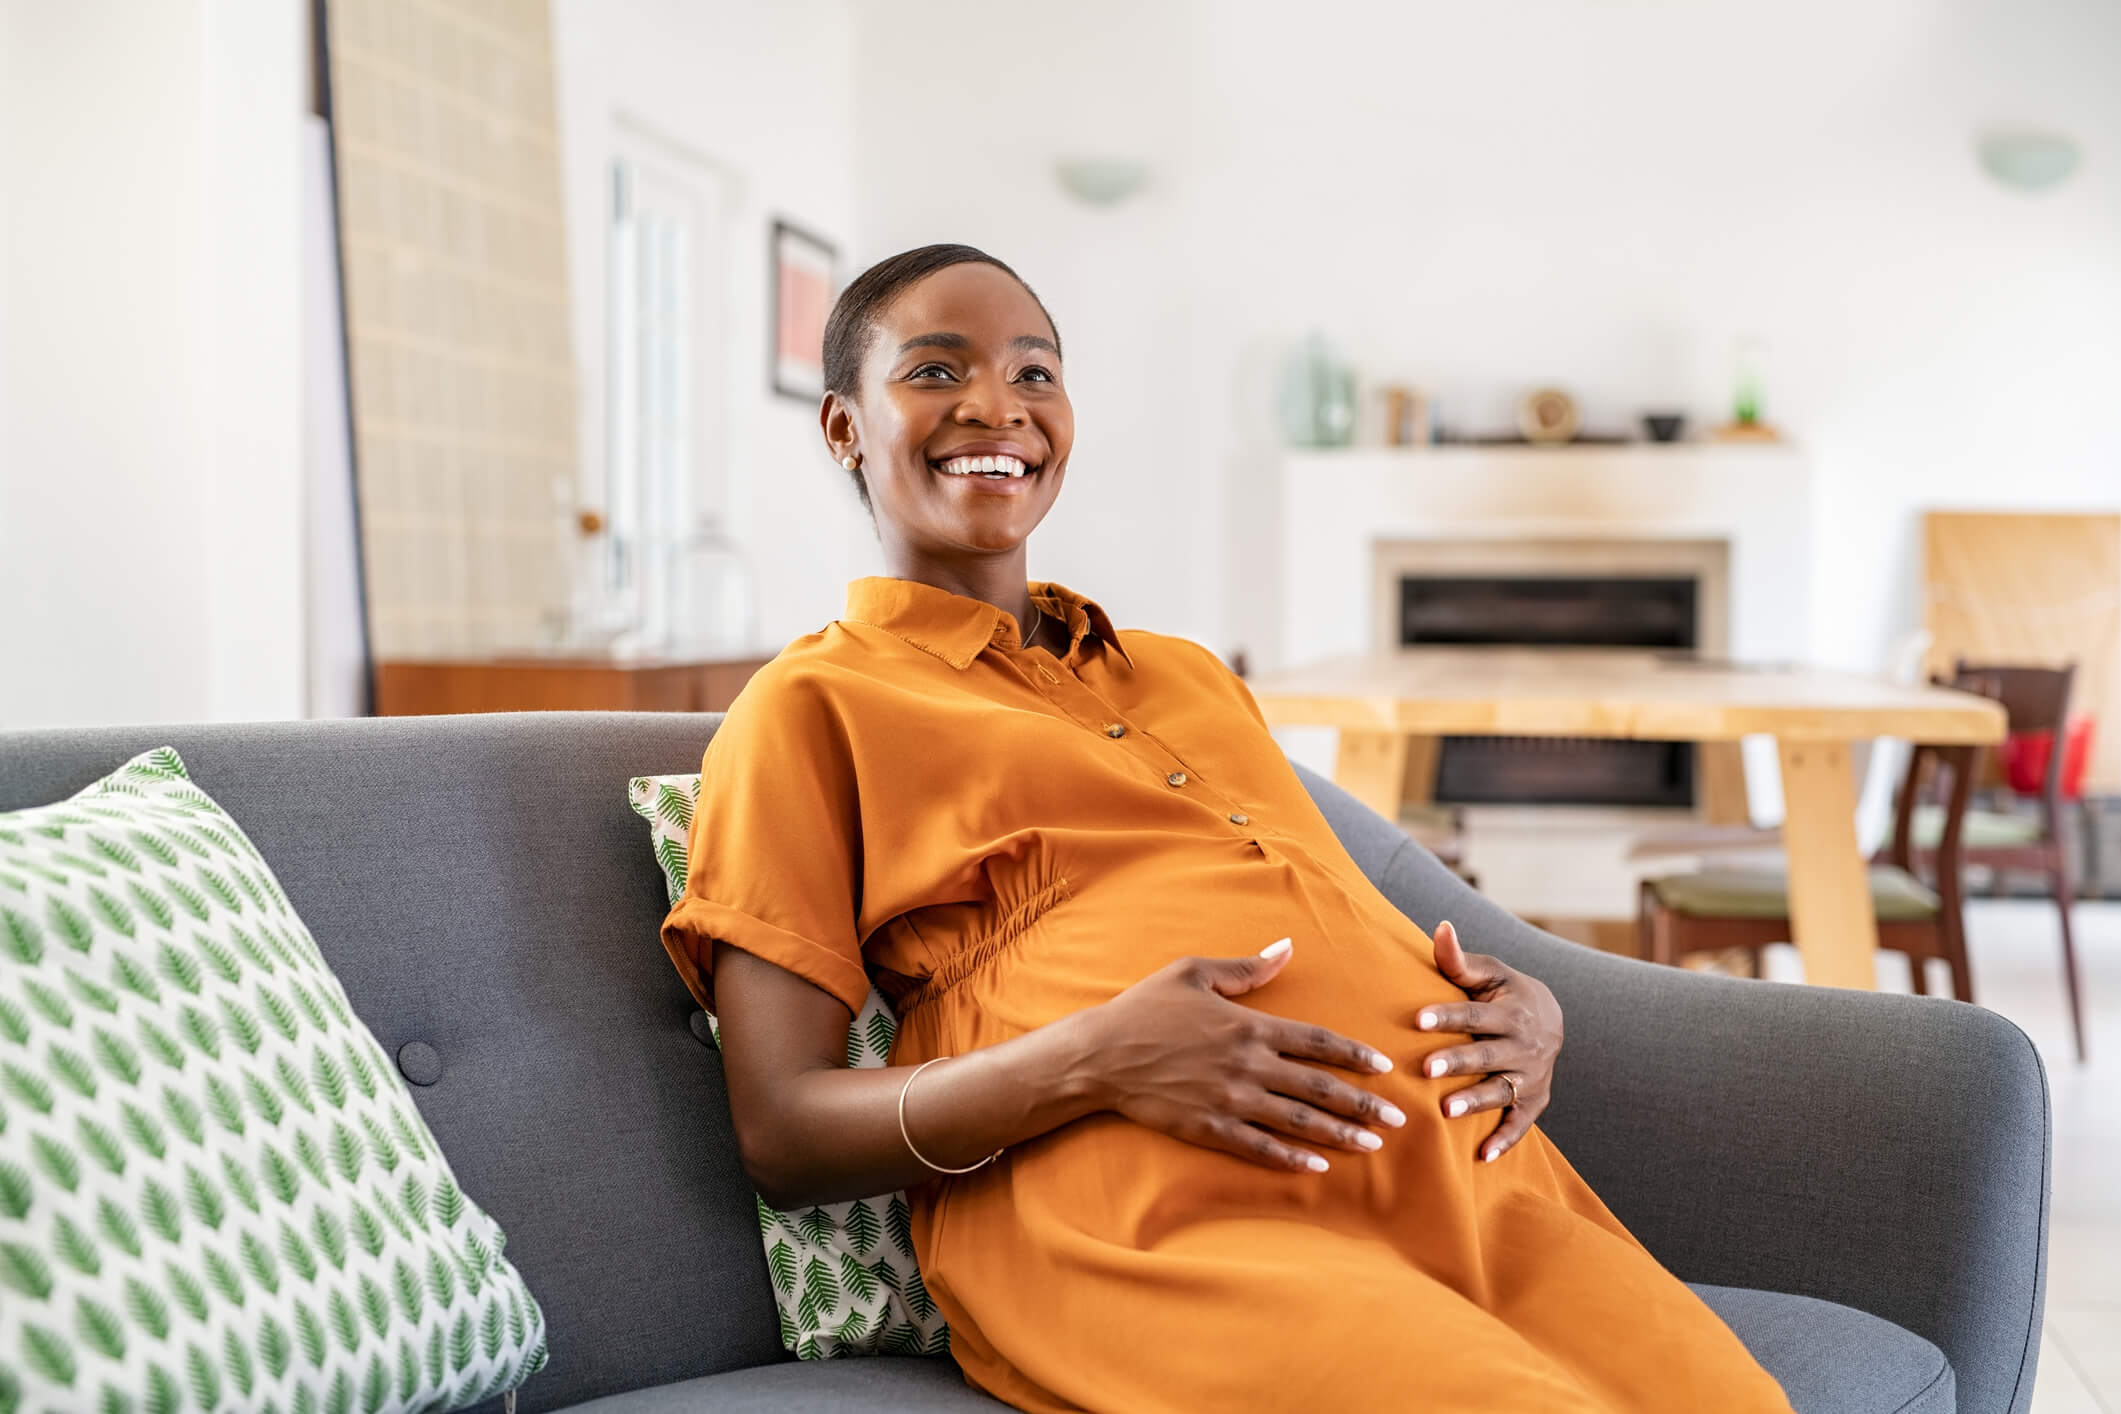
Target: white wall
x,y
762,89
963,114
149,362
1482,199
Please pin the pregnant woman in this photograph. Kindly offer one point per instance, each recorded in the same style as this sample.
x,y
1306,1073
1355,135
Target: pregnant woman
x,y
1190,1116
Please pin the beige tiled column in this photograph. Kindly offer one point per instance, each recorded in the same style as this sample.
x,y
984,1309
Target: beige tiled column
x,y
457,319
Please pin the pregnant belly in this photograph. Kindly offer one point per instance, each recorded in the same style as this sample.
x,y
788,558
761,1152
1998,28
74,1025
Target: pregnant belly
x,y
1359,968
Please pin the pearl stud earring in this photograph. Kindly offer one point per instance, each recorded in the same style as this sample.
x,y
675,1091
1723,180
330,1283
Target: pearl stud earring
x,y
850,462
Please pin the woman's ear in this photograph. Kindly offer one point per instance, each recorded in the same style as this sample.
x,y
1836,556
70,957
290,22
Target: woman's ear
x,y
836,418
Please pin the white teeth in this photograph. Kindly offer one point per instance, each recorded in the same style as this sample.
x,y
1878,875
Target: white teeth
x,y
985,466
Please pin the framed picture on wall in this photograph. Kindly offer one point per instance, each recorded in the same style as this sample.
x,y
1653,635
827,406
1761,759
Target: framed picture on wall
x,y
803,288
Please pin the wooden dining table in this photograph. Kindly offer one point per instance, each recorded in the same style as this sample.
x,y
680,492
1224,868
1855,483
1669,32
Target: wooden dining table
x,y
1391,711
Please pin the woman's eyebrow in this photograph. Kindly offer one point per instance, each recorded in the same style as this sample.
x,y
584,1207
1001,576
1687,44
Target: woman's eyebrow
x,y
936,341
941,340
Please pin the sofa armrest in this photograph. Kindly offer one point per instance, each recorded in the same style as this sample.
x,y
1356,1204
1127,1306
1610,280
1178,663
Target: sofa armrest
x,y
1886,1152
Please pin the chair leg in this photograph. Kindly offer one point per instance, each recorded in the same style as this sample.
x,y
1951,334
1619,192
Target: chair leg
x,y
2093,884
1962,975
2059,881
1917,970
1952,942
1653,930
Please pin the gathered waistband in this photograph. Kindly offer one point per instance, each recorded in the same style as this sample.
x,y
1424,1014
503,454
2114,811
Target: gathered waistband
x,y
975,955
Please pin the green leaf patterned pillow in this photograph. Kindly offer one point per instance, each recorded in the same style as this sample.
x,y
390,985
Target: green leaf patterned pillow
x,y
215,1191
844,1277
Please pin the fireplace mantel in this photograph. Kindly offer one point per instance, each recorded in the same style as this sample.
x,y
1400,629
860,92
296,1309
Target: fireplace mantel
x,y
1337,506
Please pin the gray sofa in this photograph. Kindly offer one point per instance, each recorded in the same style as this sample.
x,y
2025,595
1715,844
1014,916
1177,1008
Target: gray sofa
x,y
486,894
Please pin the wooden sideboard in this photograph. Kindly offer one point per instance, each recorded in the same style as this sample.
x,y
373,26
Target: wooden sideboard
x,y
428,687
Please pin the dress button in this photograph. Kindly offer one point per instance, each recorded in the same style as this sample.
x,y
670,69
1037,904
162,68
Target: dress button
x,y
1176,778
1240,819
1115,731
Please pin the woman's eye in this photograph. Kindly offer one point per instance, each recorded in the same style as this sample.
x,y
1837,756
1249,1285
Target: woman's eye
x,y
930,370
1036,371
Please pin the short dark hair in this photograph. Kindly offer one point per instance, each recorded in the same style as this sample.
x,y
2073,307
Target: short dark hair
x,y
852,325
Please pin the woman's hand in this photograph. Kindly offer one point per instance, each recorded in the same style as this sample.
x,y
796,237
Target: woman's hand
x,y
1516,1025
1176,1054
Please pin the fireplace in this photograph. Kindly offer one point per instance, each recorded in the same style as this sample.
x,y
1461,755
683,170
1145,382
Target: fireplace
x,y
1549,611
1560,612
1557,595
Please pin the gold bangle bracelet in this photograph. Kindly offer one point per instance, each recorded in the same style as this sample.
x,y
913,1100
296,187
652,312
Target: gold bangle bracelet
x,y
909,1138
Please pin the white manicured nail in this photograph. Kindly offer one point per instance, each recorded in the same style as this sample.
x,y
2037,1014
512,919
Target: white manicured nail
x,y
1428,1021
1455,1108
1316,1164
1390,1115
1368,1140
1491,1156
1380,1062
1436,1067
1276,948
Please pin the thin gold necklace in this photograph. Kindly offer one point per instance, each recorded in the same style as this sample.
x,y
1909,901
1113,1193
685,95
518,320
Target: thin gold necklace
x,y
1038,621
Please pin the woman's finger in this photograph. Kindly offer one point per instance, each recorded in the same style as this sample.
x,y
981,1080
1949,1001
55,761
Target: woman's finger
x,y
1250,1142
1516,1123
1309,1125
1493,1093
1326,1091
1472,1018
1294,1038
1478,1058
1472,971
1450,957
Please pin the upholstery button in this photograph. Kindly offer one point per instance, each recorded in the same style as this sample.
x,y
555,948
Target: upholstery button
x,y
1115,730
1240,819
702,1029
419,1063
1176,778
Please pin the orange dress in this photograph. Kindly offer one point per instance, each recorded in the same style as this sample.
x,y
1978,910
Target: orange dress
x,y
1000,837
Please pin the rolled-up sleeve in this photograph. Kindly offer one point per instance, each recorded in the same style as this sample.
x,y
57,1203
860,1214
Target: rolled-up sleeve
x,y
774,856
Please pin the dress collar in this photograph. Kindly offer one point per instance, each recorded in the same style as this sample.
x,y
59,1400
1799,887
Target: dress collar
x,y
956,629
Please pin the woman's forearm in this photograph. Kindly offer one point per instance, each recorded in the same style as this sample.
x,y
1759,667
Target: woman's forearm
x,y
837,1136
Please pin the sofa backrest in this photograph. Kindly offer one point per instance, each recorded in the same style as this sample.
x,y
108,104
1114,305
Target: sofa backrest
x,y
483,890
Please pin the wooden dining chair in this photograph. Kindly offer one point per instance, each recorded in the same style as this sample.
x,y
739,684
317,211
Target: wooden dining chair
x,y
1715,909
2035,700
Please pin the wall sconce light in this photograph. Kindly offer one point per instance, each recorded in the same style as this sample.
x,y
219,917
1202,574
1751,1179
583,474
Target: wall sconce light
x,y
2027,161
1101,181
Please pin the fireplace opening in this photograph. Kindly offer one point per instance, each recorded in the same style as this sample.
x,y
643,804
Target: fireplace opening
x,y
1556,611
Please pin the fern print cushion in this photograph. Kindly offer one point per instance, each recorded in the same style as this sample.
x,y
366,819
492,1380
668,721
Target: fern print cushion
x,y
215,1191
844,1277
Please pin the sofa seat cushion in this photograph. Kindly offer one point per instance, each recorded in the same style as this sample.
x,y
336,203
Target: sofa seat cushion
x,y
1834,1359
1830,1360
870,1384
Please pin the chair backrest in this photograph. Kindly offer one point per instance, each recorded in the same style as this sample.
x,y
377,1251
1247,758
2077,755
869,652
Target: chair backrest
x,y
1878,764
2034,699
1961,764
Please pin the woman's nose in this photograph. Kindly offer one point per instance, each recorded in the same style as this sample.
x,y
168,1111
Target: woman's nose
x,y
990,405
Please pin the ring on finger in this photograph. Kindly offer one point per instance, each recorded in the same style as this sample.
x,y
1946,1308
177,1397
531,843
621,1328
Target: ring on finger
x,y
1510,1080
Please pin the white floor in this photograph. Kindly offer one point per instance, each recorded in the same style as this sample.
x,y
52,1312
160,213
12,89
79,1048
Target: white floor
x,y
2018,971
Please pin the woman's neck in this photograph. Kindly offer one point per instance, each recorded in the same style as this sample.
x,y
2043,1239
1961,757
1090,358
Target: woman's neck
x,y
998,579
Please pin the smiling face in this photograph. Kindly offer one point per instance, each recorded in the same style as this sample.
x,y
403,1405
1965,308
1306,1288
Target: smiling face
x,y
961,420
